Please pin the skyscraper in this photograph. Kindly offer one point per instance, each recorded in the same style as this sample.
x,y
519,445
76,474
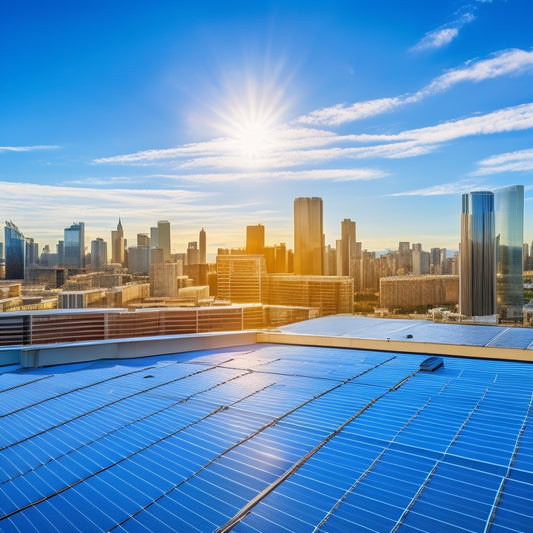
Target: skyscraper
x,y
255,239
117,244
478,255
308,231
75,245
98,253
509,209
203,247
15,245
347,246
163,236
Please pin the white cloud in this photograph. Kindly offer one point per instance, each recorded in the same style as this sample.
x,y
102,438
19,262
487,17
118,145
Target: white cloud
x,y
514,61
437,38
292,148
444,189
518,161
340,113
445,35
28,148
342,174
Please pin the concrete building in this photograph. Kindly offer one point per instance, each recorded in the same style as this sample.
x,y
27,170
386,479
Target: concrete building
x,y
255,239
308,236
478,255
347,252
410,292
163,238
98,254
203,247
241,278
117,244
164,279
139,259
330,295
143,239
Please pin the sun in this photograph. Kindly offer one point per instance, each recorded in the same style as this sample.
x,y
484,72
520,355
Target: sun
x,y
250,120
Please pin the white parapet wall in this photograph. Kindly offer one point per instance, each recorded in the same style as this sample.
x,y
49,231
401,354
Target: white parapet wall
x,y
58,354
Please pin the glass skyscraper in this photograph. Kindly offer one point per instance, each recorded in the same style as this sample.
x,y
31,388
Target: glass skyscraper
x,y
509,208
75,246
15,246
478,255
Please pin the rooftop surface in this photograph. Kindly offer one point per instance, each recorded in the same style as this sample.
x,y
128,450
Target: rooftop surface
x,y
415,331
268,438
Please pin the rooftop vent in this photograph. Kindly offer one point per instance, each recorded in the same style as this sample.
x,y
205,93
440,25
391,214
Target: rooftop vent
x,y
431,363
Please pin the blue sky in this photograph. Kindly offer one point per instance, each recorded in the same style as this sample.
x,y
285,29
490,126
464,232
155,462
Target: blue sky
x,y
219,114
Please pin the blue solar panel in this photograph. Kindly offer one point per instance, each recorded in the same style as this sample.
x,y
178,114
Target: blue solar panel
x,y
325,438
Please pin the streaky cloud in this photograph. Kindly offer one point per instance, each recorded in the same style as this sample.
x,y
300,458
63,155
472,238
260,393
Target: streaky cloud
x,y
437,38
517,161
444,189
504,62
444,35
28,148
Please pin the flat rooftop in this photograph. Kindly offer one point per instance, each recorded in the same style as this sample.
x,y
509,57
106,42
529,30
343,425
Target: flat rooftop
x,y
269,437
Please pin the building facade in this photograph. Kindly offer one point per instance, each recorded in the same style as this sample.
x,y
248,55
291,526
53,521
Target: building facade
x,y
509,210
98,253
478,255
308,236
117,244
255,239
74,238
163,238
15,247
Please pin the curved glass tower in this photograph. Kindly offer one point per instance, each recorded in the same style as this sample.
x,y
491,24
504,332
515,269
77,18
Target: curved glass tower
x,y
509,205
478,255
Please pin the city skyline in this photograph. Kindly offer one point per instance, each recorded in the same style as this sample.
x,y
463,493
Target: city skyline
x,y
218,116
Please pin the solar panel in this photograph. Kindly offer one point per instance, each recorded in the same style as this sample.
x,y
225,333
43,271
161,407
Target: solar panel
x,y
268,437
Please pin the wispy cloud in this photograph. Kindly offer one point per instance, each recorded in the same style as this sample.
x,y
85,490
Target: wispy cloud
x,y
444,35
292,149
514,61
339,174
28,148
519,161
444,189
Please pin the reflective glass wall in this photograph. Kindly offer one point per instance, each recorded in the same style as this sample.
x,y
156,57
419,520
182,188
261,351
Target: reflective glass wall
x,y
509,205
478,255
15,245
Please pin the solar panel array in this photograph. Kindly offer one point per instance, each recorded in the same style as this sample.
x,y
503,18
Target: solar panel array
x,y
415,331
267,438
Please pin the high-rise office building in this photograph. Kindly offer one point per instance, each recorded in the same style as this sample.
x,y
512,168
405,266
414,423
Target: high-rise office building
x,y
255,239
75,245
143,239
163,237
193,254
98,254
139,259
117,244
478,255
32,253
154,237
15,247
308,236
203,247
509,209
347,246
